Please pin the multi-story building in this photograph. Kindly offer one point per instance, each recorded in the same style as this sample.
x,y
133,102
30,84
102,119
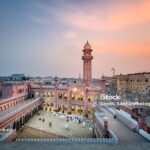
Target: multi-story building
x,y
108,85
11,89
134,83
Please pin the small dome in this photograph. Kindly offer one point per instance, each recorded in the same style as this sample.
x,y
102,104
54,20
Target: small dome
x,y
87,45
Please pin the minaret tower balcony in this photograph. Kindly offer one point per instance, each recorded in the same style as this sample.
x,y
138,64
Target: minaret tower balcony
x,y
87,64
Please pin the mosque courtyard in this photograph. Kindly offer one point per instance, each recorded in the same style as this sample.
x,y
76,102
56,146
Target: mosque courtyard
x,y
60,125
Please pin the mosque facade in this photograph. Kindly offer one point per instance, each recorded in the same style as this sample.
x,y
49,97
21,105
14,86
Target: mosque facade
x,y
74,98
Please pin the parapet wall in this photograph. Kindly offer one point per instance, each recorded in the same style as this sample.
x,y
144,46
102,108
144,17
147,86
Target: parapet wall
x,y
84,140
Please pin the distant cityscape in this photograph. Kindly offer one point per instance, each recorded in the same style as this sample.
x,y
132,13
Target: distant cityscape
x,y
131,85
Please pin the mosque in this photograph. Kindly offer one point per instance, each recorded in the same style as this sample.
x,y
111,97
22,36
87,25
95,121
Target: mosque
x,y
74,98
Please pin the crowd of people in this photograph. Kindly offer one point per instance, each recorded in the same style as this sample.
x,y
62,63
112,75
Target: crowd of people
x,y
66,118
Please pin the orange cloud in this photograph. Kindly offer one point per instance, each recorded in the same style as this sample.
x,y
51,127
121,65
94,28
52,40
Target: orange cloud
x,y
125,57
122,16
131,15
122,48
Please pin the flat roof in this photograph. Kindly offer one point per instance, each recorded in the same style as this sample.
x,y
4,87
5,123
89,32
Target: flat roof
x,y
39,145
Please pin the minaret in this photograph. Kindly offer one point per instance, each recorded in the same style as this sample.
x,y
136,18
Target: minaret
x,y
87,65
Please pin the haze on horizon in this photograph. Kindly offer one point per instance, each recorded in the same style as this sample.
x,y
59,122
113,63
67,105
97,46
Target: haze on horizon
x,y
46,37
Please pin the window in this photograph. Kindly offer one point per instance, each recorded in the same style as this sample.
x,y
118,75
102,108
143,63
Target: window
x,y
146,80
59,95
19,91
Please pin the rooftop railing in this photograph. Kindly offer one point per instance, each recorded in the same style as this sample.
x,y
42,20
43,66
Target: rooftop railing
x,y
81,140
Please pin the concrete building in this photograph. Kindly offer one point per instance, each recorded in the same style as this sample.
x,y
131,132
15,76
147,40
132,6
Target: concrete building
x,y
106,84
11,88
137,82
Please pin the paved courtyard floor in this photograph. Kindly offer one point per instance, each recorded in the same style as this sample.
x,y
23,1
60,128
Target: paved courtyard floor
x,y
60,126
29,133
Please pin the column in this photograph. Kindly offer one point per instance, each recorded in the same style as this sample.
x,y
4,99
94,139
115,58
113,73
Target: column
x,y
85,104
56,101
56,94
69,102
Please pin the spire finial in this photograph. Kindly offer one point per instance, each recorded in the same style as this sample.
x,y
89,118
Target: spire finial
x,y
87,45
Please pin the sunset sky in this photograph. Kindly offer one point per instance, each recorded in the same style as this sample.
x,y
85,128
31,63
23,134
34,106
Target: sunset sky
x,y
46,37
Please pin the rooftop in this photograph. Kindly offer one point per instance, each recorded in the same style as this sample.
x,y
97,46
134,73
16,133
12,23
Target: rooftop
x,y
39,145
